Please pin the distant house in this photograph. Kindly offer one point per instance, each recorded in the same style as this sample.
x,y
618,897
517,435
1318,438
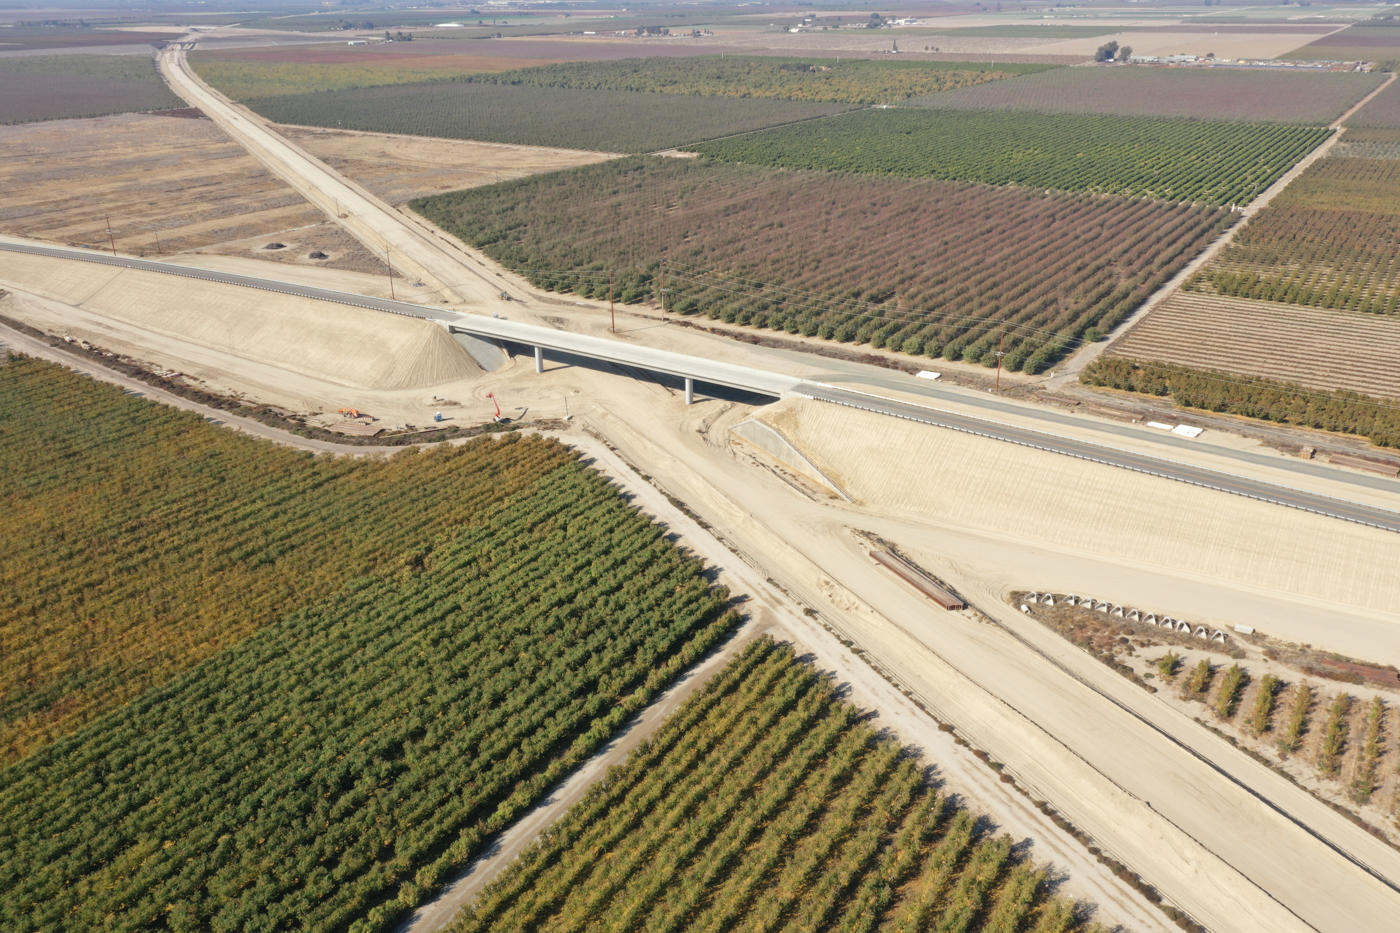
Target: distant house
x,y
358,42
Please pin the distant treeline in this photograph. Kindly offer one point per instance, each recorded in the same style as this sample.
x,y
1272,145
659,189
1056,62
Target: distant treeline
x,y
854,81
1253,397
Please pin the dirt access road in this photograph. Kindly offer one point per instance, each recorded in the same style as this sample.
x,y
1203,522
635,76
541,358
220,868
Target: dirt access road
x,y
769,610
382,230
1274,860
1226,842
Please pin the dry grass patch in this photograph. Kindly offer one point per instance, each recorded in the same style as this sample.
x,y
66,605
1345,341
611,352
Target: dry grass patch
x,y
166,186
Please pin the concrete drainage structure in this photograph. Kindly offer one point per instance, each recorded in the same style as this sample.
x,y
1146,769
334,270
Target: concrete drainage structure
x,y
1135,615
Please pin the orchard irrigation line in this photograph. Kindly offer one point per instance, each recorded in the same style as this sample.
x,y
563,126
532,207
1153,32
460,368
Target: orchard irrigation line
x,y
949,420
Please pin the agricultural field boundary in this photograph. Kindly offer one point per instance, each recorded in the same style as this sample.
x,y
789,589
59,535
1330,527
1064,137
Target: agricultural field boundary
x,y
1072,367
1329,506
741,575
359,212
1276,928
1207,887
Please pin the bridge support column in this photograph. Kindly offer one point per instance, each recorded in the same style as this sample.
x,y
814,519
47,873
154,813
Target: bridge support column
x,y
539,359
689,391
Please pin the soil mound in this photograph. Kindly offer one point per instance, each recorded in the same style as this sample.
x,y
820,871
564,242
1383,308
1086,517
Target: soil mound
x,y
346,345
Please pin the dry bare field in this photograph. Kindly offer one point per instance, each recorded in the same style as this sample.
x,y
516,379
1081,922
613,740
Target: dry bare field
x,y
1262,44
1359,43
179,181
1315,347
401,168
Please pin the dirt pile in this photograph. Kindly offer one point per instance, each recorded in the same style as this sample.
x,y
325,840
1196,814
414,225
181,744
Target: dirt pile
x,y
345,345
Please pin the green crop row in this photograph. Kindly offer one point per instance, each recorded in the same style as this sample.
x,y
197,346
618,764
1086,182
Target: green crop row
x,y
333,768
854,81
766,804
176,541
939,269
1328,241
1175,160
608,121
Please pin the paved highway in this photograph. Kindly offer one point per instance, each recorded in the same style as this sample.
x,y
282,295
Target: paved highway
x,y
1084,450
229,278
762,381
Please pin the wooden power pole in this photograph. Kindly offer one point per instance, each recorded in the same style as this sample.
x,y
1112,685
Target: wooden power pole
x,y
1001,338
612,312
110,238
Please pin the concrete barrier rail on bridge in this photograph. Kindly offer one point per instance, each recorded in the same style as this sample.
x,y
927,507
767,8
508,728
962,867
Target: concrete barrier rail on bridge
x,y
692,369
695,369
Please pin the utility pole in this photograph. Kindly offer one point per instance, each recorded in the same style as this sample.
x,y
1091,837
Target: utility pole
x,y
110,238
390,263
157,235
663,284
611,310
1001,338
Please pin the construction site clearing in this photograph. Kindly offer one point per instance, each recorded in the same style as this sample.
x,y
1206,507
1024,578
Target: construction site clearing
x,y
901,553
1254,715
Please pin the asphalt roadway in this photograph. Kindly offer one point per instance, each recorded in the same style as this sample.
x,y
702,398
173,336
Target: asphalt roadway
x,y
773,384
1084,450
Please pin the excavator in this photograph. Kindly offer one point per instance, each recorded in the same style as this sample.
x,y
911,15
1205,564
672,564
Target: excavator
x,y
353,413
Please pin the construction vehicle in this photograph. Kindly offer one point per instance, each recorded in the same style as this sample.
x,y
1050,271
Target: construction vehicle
x,y
497,417
353,413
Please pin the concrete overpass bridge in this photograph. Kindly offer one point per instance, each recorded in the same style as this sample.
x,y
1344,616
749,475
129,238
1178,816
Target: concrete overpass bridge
x,y
691,369
694,369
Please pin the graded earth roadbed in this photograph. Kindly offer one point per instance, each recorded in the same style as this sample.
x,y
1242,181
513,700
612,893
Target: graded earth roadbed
x,y
774,383
1357,512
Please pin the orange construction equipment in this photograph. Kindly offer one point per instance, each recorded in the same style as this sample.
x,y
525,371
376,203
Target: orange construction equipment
x,y
492,397
352,412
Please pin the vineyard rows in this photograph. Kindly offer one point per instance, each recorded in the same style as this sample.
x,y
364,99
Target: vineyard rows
x,y
1331,239
853,81
335,767
1315,98
607,121
303,71
176,541
889,262
765,804
1215,162
1327,350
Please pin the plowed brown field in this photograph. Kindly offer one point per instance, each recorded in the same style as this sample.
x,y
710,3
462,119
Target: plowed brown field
x,y
182,182
1314,347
